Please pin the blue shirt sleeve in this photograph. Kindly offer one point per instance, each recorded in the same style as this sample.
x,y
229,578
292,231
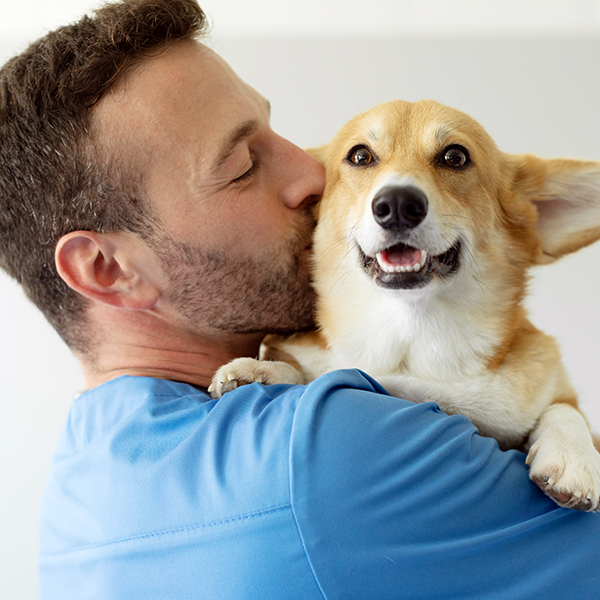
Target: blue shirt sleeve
x,y
398,500
333,490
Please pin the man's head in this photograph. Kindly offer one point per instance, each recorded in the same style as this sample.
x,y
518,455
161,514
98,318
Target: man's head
x,y
123,129
53,179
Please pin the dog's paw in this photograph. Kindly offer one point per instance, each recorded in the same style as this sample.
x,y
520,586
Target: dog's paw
x,y
243,371
568,473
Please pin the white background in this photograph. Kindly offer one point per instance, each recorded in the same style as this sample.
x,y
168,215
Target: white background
x,y
526,69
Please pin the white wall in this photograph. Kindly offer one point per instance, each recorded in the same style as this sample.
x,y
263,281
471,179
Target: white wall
x,y
339,18
526,70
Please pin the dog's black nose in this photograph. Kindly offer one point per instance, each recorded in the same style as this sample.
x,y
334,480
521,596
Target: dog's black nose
x,y
400,207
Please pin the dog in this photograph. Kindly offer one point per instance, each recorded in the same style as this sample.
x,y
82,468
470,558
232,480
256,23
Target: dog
x,y
426,233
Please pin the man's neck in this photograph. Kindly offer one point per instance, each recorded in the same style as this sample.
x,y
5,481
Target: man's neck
x,y
144,345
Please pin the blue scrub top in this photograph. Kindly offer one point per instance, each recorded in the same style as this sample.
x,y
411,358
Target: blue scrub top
x,y
333,490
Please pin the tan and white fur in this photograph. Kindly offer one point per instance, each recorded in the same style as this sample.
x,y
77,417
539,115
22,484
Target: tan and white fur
x,y
426,233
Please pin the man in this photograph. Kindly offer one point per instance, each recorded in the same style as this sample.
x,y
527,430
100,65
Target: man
x,y
163,228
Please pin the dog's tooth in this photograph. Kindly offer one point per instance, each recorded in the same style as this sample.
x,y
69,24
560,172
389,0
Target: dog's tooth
x,y
389,268
385,266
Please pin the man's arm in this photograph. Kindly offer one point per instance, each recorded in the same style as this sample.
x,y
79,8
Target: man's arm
x,y
395,499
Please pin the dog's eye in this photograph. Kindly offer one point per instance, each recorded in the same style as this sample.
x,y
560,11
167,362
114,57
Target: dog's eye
x,y
360,156
456,157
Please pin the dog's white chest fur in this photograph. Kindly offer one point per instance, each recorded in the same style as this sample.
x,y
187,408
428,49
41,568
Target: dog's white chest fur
x,y
428,336
428,342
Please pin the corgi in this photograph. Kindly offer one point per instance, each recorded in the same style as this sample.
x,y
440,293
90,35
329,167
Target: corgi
x,y
426,234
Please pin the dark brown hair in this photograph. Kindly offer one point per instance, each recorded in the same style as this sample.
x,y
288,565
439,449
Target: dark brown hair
x,y
53,177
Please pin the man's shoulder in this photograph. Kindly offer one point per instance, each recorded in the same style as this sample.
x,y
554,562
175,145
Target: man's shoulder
x,y
98,411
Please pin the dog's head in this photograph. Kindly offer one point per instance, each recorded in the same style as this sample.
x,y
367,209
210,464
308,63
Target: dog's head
x,y
418,196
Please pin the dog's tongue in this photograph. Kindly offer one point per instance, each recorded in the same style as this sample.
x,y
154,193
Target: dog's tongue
x,y
401,256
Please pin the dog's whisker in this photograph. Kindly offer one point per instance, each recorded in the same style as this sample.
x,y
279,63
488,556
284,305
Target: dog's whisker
x,y
455,216
338,281
478,279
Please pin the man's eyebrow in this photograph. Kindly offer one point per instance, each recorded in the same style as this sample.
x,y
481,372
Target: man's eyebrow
x,y
244,131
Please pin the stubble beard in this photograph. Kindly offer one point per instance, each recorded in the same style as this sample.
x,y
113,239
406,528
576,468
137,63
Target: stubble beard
x,y
270,293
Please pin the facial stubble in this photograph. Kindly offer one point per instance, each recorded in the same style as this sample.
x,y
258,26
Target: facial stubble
x,y
268,293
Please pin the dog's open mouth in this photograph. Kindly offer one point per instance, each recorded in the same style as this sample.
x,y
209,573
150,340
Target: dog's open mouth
x,y
404,267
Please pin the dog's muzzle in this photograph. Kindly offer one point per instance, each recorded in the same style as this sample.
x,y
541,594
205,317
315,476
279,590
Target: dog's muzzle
x,y
399,210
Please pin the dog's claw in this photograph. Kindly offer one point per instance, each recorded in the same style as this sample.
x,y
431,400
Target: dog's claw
x,y
573,500
571,481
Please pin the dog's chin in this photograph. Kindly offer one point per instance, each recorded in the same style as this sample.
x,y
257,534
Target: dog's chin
x,y
443,266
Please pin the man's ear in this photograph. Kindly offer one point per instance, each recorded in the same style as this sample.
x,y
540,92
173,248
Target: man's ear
x,y
107,267
566,195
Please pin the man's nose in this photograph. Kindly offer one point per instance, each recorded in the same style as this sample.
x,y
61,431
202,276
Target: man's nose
x,y
306,181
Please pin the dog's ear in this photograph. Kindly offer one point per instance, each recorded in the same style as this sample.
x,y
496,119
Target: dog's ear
x,y
566,195
320,153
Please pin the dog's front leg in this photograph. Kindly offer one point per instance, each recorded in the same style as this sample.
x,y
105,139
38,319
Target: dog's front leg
x,y
295,359
243,371
563,460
